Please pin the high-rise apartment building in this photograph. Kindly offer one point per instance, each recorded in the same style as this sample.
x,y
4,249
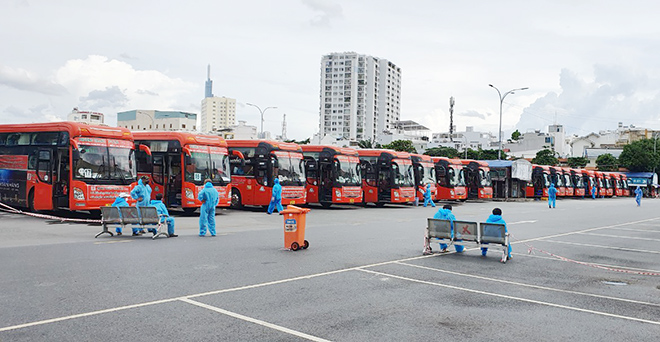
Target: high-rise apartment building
x,y
217,112
360,96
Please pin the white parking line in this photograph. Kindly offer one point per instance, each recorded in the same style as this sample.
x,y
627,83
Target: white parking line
x,y
621,236
529,285
254,320
640,230
514,298
601,246
593,263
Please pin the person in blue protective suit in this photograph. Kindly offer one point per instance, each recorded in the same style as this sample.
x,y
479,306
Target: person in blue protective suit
x,y
496,217
552,196
120,201
445,214
638,196
427,196
276,198
209,198
164,214
142,194
593,191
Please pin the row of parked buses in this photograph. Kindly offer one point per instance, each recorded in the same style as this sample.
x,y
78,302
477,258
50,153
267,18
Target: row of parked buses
x,y
75,166
576,182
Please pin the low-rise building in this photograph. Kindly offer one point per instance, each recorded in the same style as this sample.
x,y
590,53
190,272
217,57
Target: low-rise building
x,y
157,120
92,118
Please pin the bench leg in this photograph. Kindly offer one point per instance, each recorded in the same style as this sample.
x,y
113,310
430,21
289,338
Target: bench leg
x,y
159,232
427,246
105,231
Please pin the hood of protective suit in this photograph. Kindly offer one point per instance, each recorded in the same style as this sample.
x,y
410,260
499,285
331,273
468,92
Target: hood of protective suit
x,y
495,219
552,185
428,186
119,200
140,182
277,181
208,185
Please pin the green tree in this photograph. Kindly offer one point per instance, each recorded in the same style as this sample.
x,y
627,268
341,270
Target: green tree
x,y
302,142
515,135
577,162
473,154
607,162
442,151
545,157
401,145
491,155
639,156
365,144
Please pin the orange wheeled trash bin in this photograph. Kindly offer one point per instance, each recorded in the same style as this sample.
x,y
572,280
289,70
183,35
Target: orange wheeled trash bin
x,y
294,227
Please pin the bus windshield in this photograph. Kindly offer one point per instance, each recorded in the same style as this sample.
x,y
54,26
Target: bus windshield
x,y
567,181
290,170
579,182
220,167
403,175
484,178
348,172
105,163
546,180
456,176
428,175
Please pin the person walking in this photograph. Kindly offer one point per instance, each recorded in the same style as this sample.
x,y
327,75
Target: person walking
x,y
552,196
276,198
209,198
638,196
142,194
496,217
427,196
162,212
445,213
593,191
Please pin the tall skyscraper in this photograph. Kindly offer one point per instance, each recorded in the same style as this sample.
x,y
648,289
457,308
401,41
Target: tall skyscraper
x,y
217,112
360,96
209,84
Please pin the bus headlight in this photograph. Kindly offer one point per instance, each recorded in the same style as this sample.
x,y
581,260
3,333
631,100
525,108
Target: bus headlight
x,y
481,191
78,194
337,193
451,192
396,194
189,194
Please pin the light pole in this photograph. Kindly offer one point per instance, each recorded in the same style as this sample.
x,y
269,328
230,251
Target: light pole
x,y
261,133
499,151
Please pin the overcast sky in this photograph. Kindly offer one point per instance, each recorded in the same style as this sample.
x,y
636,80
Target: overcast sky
x,y
588,64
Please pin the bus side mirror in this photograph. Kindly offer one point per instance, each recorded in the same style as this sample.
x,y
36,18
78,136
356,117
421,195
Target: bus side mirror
x,y
186,150
145,149
75,155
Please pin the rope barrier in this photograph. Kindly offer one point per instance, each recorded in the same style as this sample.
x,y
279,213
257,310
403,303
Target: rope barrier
x,y
12,210
562,258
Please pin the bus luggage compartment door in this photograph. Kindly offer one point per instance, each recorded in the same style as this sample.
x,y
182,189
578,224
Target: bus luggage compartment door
x,y
42,199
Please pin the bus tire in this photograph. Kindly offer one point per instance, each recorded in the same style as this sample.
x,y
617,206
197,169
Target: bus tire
x,y
380,204
364,200
326,205
189,211
236,200
95,214
31,201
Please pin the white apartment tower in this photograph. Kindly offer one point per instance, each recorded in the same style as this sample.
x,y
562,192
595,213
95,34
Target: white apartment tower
x,y
360,96
217,112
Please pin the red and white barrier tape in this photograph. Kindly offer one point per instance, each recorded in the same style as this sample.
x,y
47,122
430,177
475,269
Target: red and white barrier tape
x,y
532,248
49,217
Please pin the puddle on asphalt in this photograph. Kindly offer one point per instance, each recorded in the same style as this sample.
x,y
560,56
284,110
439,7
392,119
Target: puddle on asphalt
x,y
614,283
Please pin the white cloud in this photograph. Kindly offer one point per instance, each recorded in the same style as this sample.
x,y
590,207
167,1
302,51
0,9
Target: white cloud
x,y
28,81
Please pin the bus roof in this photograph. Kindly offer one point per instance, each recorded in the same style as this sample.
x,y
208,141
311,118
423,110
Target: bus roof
x,y
451,161
75,129
378,152
421,158
588,172
478,162
270,144
185,138
338,150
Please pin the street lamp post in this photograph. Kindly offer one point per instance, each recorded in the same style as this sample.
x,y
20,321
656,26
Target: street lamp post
x,y
261,133
499,151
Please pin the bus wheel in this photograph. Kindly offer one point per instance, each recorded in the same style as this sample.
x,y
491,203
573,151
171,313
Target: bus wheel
x,y
326,204
236,200
31,201
364,200
189,211
380,204
95,214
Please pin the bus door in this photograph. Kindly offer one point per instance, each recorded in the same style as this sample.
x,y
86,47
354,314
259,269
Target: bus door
x,y
61,196
327,177
384,187
158,175
174,186
43,186
312,177
370,176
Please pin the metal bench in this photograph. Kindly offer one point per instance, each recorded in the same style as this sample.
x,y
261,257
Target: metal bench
x,y
479,234
139,216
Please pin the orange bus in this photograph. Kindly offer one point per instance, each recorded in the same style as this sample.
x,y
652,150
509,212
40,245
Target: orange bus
x,y
202,157
624,185
65,165
450,178
424,170
540,182
387,176
617,185
568,181
589,182
578,183
557,178
333,175
477,179
600,184
254,166
608,181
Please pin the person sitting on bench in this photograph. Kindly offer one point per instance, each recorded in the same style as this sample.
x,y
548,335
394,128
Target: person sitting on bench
x,y
162,211
496,217
446,214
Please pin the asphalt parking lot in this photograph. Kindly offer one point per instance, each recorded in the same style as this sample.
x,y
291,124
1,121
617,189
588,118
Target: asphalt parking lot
x,y
593,274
